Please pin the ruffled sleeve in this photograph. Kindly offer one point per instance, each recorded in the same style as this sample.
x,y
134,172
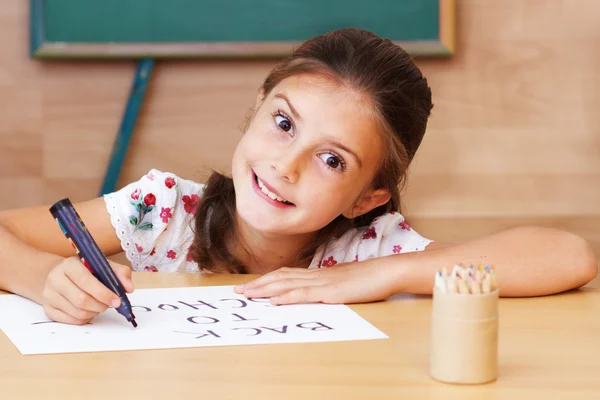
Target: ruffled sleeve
x,y
154,220
388,234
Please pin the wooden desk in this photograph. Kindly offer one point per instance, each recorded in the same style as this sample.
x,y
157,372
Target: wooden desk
x,y
549,348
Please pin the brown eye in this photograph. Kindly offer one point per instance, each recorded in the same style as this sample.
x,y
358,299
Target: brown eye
x,y
283,123
333,161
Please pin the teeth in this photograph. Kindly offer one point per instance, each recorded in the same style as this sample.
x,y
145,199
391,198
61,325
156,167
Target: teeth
x,y
266,191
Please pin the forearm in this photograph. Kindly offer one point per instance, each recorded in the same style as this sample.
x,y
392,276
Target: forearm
x,y
23,269
528,262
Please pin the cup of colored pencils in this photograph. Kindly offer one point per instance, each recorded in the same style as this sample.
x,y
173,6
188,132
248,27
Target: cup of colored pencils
x,y
464,325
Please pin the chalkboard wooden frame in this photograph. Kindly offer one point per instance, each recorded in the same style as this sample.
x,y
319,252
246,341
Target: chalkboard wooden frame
x,y
41,48
145,53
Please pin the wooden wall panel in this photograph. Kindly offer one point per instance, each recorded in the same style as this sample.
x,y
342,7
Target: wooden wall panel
x,y
514,136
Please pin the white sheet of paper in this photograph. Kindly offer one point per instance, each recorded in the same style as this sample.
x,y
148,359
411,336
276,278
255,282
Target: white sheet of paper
x,y
182,317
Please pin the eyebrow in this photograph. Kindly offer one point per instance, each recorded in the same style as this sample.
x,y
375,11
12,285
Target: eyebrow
x,y
347,150
284,97
333,142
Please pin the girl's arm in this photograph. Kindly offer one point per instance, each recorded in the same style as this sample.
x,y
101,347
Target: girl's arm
x,y
36,227
37,261
529,261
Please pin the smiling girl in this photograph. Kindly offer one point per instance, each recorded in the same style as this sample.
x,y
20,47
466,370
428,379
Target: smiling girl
x,y
313,202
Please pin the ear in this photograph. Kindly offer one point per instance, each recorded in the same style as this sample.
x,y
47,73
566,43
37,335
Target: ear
x,y
369,201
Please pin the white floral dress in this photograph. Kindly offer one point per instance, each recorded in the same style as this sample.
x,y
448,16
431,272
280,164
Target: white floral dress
x,y
154,219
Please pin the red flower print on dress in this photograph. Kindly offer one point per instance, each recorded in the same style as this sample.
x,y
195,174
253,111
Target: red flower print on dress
x,y
190,203
142,208
139,248
135,195
171,254
355,259
404,226
330,262
150,200
169,182
392,212
165,214
153,251
151,268
369,234
150,176
397,249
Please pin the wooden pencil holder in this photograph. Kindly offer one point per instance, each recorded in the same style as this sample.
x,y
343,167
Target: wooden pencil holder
x,y
464,337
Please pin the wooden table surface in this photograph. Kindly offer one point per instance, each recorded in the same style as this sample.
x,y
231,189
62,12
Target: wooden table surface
x,y
549,347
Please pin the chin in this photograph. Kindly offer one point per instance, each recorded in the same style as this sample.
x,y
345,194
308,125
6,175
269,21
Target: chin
x,y
262,223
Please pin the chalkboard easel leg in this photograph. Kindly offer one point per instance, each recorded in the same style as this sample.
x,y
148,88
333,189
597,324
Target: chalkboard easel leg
x,y
134,104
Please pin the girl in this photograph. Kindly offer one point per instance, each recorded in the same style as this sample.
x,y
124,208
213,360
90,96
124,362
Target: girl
x,y
315,186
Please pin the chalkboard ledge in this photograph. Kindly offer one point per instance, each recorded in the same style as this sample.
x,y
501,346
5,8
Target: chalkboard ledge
x,y
203,50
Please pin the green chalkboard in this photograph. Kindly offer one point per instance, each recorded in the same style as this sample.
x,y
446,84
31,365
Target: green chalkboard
x,y
228,28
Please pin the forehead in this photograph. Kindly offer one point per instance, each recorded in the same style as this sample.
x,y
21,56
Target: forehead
x,y
334,111
326,92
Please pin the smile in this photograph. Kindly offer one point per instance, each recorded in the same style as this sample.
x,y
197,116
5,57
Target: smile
x,y
269,193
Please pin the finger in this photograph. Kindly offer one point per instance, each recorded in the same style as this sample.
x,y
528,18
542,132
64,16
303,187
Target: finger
x,y
281,286
80,299
61,303
91,286
304,294
60,316
123,273
282,273
64,286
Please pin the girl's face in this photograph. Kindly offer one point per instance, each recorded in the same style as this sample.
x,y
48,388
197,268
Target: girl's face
x,y
309,155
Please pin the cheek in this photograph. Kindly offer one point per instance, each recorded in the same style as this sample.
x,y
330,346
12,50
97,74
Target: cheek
x,y
330,197
246,148
256,138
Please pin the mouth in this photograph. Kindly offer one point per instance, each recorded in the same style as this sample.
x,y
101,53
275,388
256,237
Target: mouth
x,y
269,193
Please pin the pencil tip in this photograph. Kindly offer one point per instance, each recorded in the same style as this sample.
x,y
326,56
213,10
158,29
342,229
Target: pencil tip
x,y
134,323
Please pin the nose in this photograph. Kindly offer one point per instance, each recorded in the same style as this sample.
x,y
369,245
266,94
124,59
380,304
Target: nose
x,y
287,167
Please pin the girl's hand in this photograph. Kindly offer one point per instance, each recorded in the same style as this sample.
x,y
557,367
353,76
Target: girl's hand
x,y
72,295
345,283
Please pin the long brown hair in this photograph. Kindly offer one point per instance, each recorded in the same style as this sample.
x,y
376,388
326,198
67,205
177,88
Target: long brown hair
x,y
401,101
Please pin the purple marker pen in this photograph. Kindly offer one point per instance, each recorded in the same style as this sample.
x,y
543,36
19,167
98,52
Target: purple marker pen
x,y
89,253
